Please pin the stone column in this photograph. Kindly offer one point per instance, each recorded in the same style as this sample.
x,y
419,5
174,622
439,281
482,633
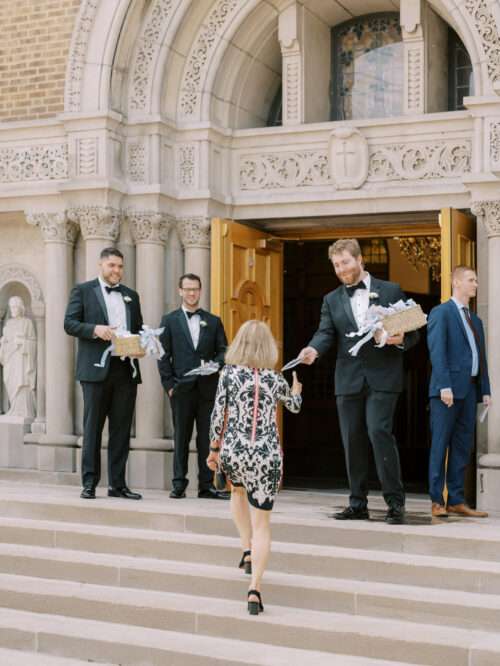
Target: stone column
x,y
57,452
100,227
150,231
194,233
147,466
288,35
488,214
39,425
414,56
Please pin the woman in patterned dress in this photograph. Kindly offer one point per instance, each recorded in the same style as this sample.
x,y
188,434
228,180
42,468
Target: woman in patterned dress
x,y
245,441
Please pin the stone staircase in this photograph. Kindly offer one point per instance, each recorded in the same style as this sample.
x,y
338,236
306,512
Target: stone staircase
x,y
155,583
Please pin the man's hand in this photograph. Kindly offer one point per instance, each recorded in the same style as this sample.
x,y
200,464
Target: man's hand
x,y
296,386
395,339
170,392
447,397
308,355
487,400
104,332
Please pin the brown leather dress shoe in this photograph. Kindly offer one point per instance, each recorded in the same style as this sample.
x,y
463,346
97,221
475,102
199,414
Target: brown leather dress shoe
x,y
466,511
438,511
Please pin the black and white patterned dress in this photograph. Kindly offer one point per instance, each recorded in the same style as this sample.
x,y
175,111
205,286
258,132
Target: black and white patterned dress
x,y
251,456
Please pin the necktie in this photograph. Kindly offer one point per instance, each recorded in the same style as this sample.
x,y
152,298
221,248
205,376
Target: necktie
x,y
114,290
469,321
191,314
352,289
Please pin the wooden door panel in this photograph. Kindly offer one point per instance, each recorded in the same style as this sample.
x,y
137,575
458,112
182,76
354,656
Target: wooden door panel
x,y
458,245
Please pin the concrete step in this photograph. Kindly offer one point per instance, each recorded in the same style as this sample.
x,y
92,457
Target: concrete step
x,y
137,646
424,644
288,558
20,658
459,538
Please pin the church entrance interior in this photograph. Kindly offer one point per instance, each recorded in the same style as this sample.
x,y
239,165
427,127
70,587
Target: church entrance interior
x,y
314,455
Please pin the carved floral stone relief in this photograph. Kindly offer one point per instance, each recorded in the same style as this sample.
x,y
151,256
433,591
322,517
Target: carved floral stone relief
x,y
194,231
187,165
487,28
97,222
78,52
34,163
149,226
279,170
136,162
55,227
495,143
488,213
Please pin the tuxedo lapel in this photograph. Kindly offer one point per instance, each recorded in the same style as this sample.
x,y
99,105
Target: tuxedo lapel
x,y
100,298
375,287
203,327
346,302
185,328
128,313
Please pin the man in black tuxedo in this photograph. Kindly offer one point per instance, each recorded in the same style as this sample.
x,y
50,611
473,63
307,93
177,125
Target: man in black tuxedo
x,y
95,310
191,335
368,385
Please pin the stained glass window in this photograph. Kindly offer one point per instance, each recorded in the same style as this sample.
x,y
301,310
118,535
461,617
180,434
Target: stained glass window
x,y
460,76
368,68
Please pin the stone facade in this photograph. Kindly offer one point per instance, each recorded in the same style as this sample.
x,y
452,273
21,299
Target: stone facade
x,y
163,128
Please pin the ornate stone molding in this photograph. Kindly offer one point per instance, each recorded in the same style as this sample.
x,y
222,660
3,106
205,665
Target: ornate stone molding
x,y
293,86
495,143
415,74
488,212
150,42
34,163
281,170
487,29
78,52
149,226
186,165
54,227
18,273
136,161
194,232
444,159
87,157
97,222
206,42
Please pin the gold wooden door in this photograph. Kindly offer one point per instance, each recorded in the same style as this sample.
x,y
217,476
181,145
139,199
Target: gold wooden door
x,y
458,245
247,278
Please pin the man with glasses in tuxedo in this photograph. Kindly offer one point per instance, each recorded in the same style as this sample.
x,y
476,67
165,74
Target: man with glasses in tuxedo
x,y
191,336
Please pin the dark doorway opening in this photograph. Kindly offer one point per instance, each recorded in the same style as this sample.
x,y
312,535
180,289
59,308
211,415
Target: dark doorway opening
x,y
313,452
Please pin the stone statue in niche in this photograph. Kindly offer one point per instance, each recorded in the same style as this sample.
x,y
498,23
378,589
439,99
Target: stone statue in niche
x,y
18,357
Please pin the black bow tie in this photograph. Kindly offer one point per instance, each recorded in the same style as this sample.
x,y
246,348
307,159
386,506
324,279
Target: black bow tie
x,y
352,289
191,314
114,290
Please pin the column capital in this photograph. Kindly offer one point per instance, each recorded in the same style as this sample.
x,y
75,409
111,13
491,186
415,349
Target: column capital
x,y
54,227
149,226
488,212
97,222
194,231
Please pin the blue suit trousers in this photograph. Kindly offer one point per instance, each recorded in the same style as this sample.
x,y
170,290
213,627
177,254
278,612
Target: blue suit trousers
x,y
453,431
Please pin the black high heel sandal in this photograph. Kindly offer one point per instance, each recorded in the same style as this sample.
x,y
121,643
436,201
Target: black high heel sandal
x,y
246,564
255,607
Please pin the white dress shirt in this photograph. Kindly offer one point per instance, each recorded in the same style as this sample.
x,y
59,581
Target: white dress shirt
x,y
360,301
194,327
115,305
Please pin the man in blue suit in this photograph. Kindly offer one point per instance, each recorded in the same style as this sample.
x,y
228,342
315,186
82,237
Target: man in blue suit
x,y
459,380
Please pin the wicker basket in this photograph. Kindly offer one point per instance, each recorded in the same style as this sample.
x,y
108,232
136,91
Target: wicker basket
x,y
405,321
129,346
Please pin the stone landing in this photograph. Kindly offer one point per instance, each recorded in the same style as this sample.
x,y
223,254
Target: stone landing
x,y
156,583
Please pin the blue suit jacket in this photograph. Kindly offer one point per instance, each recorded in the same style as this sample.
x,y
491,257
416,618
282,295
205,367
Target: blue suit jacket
x,y
450,352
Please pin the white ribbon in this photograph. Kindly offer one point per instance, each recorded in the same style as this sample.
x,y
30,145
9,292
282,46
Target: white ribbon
x,y
149,341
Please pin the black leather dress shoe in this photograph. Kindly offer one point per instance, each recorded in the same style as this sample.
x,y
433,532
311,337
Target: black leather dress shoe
x,y
177,494
211,493
124,492
88,492
350,513
395,515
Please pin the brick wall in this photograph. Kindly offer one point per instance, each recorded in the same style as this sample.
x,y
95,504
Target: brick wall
x,y
35,36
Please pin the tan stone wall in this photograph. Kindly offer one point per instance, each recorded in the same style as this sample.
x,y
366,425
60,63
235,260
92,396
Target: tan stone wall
x,y
35,36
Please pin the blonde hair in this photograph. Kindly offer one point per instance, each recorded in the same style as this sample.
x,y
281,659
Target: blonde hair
x,y
253,346
350,245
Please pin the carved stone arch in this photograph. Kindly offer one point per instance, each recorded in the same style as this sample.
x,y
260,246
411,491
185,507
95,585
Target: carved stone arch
x,y
147,69
16,273
95,37
475,21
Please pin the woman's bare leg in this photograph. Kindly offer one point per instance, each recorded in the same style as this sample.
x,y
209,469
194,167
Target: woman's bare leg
x,y
261,545
241,516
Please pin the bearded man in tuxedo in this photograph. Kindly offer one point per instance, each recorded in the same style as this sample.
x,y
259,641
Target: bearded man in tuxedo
x,y
191,336
367,386
96,309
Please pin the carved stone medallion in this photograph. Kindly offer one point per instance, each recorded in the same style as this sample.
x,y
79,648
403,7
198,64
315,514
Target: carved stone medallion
x,y
348,158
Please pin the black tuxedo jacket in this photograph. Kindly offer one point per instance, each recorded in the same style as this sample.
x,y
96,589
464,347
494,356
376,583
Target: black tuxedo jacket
x,y
86,309
181,356
381,369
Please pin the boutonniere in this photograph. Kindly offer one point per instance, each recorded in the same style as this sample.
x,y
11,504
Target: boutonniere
x,y
127,299
203,323
372,294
